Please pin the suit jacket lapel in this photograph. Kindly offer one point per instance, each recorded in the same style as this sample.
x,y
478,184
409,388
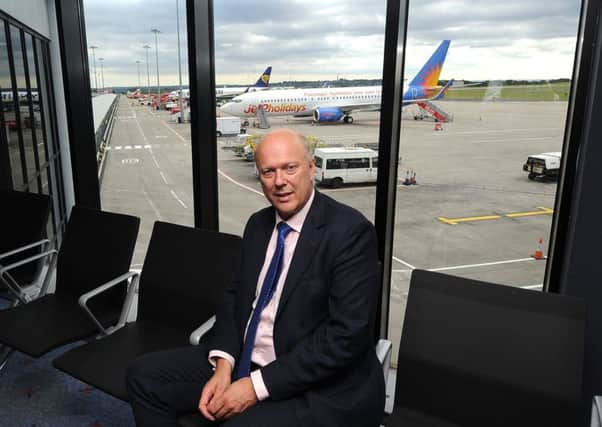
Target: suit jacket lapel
x,y
307,245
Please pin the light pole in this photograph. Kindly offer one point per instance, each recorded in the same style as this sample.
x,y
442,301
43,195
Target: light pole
x,y
156,31
138,69
102,75
179,62
147,47
94,62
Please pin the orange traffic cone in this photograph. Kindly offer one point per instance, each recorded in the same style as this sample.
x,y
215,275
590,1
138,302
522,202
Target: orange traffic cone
x,y
539,251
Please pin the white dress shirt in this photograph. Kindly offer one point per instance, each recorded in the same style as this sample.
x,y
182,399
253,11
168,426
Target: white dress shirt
x,y
263,351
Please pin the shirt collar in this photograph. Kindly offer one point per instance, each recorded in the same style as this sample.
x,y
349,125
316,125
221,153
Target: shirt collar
x,y
297,220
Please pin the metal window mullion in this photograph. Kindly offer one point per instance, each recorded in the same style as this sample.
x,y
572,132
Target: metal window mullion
x,y
34,140
201,62
13,79
6,179
388,148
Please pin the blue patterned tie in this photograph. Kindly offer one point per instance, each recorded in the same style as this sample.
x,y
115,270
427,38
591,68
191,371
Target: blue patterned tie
x,y
267,290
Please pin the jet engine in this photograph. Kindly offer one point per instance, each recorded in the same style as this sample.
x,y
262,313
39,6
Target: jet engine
x,y
322,114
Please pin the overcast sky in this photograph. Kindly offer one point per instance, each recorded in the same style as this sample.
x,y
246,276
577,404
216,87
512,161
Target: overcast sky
x,y
326,39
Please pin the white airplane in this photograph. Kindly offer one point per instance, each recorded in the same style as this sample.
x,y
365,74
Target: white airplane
x,y
262,83
331,104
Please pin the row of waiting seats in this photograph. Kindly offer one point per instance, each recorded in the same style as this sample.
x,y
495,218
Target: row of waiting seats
x,y
471,353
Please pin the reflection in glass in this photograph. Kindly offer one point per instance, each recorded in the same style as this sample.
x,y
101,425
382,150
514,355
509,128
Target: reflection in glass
x,y
23,116
9,112
34,97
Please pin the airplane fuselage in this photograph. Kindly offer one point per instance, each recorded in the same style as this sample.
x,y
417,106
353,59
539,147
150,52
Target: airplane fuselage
x,y
303,102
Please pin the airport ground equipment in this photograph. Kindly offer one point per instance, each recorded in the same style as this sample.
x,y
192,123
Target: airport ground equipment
x,y
544,165
478,354
336,166
25,251
227,125
97,247
184,275
435,112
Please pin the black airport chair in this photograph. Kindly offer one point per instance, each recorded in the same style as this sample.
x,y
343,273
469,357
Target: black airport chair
x,y
184,275
24,248
97,247
479,354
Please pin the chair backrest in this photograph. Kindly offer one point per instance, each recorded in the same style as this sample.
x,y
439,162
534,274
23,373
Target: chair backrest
x,y
476,354
23,220
97,247
184,274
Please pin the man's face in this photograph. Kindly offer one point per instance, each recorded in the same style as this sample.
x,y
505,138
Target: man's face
x,y
285,172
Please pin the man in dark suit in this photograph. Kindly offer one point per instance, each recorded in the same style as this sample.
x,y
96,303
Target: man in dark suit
x,y
293,340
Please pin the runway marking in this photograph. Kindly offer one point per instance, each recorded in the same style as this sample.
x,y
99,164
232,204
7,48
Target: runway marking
x,y
154,158
542,211
137,147
465,266
232,180
532,286
403,262
152,205
454,221
173,193
160,136
163,176
174,132
483,264
128,147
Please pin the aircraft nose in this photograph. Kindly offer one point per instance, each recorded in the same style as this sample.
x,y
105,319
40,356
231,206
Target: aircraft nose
x,y
226,108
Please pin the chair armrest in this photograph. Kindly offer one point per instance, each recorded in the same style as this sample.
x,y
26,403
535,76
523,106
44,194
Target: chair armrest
x,y
5,268
197,334
24,248
83,299
12,285
383,352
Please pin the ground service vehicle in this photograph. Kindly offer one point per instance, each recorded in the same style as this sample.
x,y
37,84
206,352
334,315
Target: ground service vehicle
x,y
227,125
336,166
544,165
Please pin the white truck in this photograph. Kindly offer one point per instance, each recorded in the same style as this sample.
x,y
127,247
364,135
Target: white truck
x,y
227,125
336,166
544,165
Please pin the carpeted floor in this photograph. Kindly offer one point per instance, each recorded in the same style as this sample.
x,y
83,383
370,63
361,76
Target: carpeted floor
x,y
35,394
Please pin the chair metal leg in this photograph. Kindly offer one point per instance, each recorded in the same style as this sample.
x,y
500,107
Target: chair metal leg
x,y
5,353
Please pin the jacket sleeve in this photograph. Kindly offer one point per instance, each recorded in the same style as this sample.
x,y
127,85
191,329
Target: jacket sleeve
x,y
226,335
346,333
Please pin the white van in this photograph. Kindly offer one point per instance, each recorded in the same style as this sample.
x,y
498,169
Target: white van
x,y
345,165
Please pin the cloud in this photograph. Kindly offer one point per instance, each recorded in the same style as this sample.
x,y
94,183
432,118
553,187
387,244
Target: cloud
x,y
323,39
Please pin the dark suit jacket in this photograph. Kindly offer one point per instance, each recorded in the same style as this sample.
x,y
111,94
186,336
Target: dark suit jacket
x,y
324,327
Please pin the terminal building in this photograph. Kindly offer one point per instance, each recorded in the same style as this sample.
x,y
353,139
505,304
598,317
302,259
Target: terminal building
x,y
489,280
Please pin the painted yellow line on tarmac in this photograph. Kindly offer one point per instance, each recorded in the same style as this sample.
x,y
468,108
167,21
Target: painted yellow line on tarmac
x,y
541,211
454,221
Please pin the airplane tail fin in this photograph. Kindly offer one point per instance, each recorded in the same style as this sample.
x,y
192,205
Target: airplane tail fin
x,y
264,79
428,76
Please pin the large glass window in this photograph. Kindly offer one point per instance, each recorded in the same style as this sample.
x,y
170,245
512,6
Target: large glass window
x,y
139,85
479,164
312,66
28,119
